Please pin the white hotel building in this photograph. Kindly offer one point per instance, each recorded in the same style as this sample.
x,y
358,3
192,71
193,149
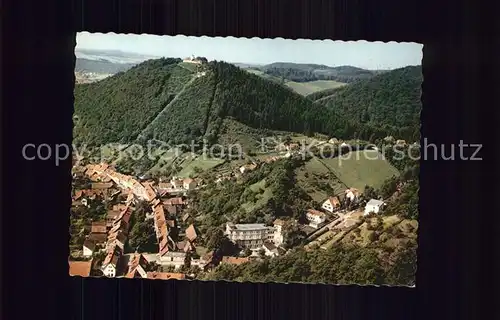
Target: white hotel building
x,y
252,235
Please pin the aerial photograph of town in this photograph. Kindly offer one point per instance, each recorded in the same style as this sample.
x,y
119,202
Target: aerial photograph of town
x,y
235,159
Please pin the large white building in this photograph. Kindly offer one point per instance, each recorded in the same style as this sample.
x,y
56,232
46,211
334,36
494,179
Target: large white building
x,y
373,206
250,236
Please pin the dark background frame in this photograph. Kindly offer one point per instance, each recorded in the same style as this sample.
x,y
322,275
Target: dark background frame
x,y
37,93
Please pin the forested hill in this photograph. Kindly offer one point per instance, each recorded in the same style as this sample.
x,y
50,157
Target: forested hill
x,y
177,102
389,101
311,72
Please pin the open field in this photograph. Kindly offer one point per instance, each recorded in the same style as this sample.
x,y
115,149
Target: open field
x,y
302,88
305,88
360,168
262,196
318,181
203,164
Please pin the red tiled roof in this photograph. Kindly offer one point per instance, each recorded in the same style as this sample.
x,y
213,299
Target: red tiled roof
x,y
98,227
315,212
235,260
80,268
166,275
191,233
174,201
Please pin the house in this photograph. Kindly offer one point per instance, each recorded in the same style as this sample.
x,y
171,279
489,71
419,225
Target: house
x,y
78,194
185,246
270,249
331,204
110,263
177,183
373,206
247,167
166,275
333,141
208,261
389,139
111,217
235,260
278,232
117,239
98,227
249,235
191,233
80,268
344,145
150,192
137,267
98,238
293,146
185,217
171,209
175,259
164,186
401,142
316,218
178,201
352,194
102,185
88,247
189,184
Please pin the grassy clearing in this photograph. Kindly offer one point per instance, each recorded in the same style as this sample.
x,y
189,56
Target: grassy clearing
x,y
262,196
188,168
360,168
305,88
189,66
318,181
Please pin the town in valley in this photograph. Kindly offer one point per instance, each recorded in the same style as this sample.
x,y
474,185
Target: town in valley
x,y
342,211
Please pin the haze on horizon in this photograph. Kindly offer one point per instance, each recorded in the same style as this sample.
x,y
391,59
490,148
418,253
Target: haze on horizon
x,y
362,54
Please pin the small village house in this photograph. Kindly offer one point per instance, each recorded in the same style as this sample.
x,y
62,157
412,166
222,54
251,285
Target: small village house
x,y
117,239
175,259
401,142
270,249
137,267
352,194
98,227
88,247
189,184
278,232
373,206
316,218
331,204
110,263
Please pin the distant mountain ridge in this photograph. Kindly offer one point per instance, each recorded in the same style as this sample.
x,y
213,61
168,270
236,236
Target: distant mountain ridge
x,y
311,72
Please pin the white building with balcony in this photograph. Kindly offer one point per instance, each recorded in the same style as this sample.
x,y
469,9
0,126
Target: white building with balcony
x,y
250,236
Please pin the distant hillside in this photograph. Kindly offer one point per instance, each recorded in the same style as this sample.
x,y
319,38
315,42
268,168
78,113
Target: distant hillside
x,y
166,100
311,72
161,99
389,101
100,66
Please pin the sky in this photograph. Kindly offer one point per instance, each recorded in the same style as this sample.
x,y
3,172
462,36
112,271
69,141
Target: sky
x,y
362,54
